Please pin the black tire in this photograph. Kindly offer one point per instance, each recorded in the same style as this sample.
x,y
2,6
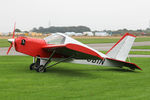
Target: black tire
x,y
32,66
41,69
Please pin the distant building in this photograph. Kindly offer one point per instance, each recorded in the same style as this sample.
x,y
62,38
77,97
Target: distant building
x,y
78,34
35,34
5,34
18,34
101,34
88,33
143,33
70,33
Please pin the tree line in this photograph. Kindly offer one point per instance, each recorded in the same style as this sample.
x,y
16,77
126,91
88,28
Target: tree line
x,y
122,31
81,29
53,29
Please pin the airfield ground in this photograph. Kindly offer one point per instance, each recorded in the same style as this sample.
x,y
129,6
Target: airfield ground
x,y
72,81
108,40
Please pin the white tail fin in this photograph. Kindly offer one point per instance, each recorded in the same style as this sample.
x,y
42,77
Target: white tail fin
x,y
121,49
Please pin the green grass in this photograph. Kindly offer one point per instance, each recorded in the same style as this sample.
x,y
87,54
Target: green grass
x,y
72,81
108,40
141,39
134,52
4,43
140,52
141,47
104,52
92,41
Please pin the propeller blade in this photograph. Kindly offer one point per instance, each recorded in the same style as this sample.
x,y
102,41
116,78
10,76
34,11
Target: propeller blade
x,y
9,48
14,30
12,40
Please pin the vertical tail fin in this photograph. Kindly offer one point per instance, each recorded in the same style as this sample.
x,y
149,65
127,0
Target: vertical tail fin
x,y
121,49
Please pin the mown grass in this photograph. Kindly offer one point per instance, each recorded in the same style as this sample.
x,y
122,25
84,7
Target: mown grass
x,y
104,52
108,40
72,81
141,47
101,40
141,39
4,43
140,52
134,52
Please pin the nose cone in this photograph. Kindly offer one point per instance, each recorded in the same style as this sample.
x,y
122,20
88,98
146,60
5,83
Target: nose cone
x,y
11,40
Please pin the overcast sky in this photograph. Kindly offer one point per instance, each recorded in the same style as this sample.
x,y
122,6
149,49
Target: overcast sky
x,y
96,14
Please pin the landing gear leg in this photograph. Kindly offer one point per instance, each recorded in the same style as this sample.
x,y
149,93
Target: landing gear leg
x,y
42,68
60,61
34,65
41,65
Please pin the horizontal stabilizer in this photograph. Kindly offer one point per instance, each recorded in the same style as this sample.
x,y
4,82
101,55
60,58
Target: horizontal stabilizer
x,y
123,63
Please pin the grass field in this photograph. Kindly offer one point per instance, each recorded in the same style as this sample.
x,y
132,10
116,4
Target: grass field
x,y
141,47
134,52
108,40
140,52
72,81
4,43
102,40
141,39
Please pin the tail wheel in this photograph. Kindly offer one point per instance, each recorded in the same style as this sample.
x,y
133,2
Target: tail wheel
x,y
32,66
41,68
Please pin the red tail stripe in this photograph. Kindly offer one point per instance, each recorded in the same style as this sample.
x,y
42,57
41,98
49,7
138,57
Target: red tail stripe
x,y
127,34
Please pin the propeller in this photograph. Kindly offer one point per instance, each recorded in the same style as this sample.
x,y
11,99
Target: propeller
x,y
12,40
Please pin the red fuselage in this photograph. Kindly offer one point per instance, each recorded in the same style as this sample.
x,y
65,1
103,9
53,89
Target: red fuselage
x,y
31,46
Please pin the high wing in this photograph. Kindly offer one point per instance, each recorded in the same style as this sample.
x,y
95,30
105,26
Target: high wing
x,y
74,50
67,47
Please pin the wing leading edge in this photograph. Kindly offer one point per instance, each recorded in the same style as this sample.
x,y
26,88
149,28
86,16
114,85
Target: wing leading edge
x,y
70,49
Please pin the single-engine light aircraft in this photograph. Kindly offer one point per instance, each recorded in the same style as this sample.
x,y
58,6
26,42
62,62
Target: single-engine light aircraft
x,y
62,48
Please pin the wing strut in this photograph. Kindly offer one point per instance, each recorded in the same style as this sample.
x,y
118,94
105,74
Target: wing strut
x,y
60,61
49,59
42,68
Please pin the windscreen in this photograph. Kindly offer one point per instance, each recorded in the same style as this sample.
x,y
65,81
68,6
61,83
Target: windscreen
x,y
55,39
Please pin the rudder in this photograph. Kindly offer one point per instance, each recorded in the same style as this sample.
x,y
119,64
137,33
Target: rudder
x,y
121,49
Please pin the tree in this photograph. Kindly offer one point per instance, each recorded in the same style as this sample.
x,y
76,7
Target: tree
x,y
17,30
26,32
53,29
34,29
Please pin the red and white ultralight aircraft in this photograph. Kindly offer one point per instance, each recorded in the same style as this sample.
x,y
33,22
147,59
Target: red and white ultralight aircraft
x,y
61,48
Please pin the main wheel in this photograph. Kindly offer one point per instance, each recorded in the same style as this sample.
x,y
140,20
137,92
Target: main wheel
x,y
41,69
32,66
